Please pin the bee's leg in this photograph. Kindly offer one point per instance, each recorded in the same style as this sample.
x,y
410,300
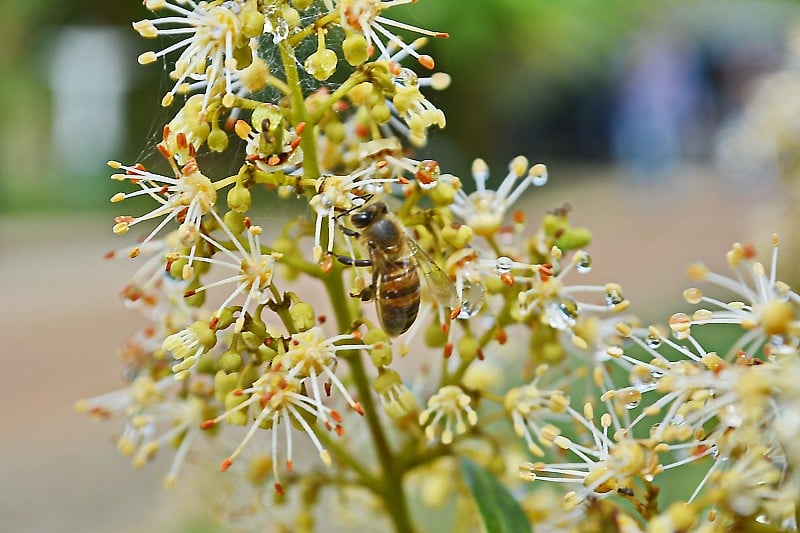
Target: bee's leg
x,y
350,232
367,294
349,261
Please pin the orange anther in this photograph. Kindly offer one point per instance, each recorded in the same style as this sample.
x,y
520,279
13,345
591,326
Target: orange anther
x,y
448,350
501,336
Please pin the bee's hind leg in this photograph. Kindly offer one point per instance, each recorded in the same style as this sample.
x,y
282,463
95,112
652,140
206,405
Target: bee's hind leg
x,y
367,293
349,261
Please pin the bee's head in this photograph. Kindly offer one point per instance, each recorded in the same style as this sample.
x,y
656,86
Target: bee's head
x,y
368,215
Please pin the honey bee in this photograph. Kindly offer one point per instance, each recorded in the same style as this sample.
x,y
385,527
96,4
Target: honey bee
x,y
399,269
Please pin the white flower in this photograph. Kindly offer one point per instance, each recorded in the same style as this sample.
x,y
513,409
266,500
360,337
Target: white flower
x,y
452,406
484,210
278,399
219,38
364,17
253,270
186,197
767,311
155,416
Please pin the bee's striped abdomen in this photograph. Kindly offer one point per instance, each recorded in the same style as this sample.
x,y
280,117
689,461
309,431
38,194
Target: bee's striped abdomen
x,y
398,296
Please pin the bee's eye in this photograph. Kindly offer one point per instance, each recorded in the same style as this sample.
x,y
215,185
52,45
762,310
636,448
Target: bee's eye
x,y
360,220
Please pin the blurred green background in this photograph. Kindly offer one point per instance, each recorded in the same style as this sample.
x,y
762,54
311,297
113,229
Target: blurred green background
x,y
622,99
556,81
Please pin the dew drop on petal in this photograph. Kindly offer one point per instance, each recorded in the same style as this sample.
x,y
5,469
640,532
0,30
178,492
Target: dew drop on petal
x,y
652,341
681,325
613,296
562,314
471,293
503,265
583,265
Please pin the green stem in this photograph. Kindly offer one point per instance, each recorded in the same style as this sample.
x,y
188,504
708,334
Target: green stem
x,y
392,483
325,20
299,111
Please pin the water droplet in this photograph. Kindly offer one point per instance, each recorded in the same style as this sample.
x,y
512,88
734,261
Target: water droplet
x,y
652,341
503,265
538,174
471,292
630,397
613,296
562,314
731,416
643,381
280,32
583,265
681,325
781,344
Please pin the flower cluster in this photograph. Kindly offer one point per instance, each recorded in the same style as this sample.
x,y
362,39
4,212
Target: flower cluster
x,y
263,329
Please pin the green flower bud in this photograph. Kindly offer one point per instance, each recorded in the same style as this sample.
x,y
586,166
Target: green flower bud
x,y
468,348
239,199
176,268
354,47
206,336
251,340
252,24
268,116
381,112
321,64
335,131
225,318
405,97
552,224
399,401
230,362
381,352
207,364
224,383
239,417
443,194
234,221
196,299
381,77
290,15
256,327
574,238
434,336
457,236
494,285
303,316
265,353
243,56
217,140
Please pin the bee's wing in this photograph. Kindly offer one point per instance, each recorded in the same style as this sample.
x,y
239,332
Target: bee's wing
x,y
433,279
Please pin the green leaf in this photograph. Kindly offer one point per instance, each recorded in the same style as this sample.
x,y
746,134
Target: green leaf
x,y
499,510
